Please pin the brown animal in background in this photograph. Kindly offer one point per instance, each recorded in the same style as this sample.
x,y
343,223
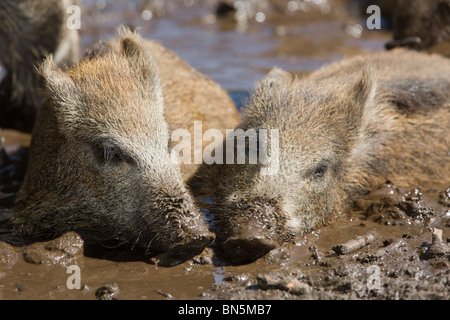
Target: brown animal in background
x,y
29,30
343,130
100,160
422,25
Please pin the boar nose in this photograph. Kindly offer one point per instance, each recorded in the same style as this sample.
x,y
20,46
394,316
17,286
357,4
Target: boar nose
x,y
193,243
247,246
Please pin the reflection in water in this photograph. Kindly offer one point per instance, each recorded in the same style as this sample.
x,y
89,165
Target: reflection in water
x,y
219,275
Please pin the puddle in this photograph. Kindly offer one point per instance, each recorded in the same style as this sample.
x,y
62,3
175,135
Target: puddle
x,y
219,275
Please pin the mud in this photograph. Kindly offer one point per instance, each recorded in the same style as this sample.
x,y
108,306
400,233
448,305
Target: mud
x,y
402,252
408,257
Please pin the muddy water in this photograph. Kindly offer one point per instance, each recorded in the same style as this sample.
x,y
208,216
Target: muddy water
x,y
235,50
239,48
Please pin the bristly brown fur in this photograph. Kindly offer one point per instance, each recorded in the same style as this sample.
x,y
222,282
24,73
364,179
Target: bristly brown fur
x,y
100,160
358,123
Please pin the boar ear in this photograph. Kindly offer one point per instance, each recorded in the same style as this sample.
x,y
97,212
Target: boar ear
x,y
133,48
53,79
61,92
57,86
365,89
275,78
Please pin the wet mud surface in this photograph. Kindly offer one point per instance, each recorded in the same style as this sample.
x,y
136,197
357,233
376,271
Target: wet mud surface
x,y
407,256
394,244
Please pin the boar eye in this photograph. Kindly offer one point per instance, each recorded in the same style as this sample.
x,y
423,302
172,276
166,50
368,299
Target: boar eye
x,y
111,155
320,171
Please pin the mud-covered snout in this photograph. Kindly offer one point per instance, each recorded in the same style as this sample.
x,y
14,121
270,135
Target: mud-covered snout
x,y
247,244
190,238
179,228
250,229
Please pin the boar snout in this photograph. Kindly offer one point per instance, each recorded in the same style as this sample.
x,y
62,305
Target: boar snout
x,y
250,228
193,236
193,244
182,230
249,244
